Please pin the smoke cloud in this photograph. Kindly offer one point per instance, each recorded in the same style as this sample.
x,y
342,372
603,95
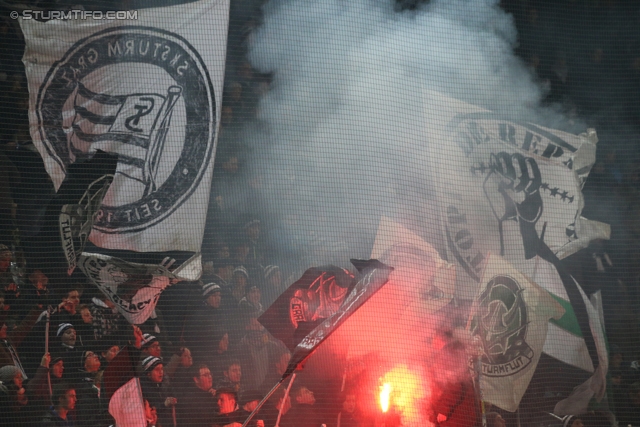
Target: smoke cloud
x,y
344,136
345,139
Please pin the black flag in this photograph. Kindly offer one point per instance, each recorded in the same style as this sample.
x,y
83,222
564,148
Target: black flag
x,y
374,275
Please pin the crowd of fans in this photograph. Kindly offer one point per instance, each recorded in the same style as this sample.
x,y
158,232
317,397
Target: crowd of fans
x,y
203,359
61,365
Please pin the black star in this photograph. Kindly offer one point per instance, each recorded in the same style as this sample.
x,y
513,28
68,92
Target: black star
x,y
554,191
563,195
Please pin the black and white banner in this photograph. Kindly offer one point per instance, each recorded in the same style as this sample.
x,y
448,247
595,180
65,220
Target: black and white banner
x,y
514,189
504,187
134,288
76,220
148,90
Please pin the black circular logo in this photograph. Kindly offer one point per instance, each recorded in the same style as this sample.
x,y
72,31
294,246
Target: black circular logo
x,y
144,94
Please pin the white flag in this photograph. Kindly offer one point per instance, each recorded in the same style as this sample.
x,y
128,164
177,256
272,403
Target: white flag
x,y
514,189
510,319
504,187
126,405
149,89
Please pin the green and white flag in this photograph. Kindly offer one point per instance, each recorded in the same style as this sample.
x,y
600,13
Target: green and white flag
x,y
514,189
509,319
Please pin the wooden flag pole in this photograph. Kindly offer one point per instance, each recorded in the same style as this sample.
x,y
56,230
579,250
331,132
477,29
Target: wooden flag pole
x,y
46,350
284,398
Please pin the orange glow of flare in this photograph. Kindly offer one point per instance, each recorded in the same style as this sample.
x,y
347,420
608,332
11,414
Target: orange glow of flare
x,y
402,391
385,396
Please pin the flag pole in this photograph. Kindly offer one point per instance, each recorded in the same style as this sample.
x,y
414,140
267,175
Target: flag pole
x,y
264,400
46,349
284,398
477,366
344,381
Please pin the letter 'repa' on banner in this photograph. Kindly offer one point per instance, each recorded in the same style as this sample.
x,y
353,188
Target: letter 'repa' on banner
x,y
148,90
509,320
507,187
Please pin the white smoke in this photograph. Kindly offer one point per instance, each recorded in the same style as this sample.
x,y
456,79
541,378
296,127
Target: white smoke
x,y
344,138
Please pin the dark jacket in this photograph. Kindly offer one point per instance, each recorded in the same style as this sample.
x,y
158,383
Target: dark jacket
x,y
38,390
156,394
196,408
303,416
92,409
203,333
237,416
16,336
13,413
52,419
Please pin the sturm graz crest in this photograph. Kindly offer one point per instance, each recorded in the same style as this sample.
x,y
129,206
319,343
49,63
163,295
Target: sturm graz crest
x,y
501,325
144,94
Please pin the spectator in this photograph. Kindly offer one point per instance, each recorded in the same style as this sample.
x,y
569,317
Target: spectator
x,y
181,379
251,300
155,325
65,313
205,328
92,409
84,328
252,230
349,416
65,345
303,412
281,356
64,396
258,352
13,401
5,262
222,251
33,295
67,309
108,351
50,370
241,249
239,280
494,419
150,346
10,341
220,357
157,389
273,285
229,413
232,377
197,406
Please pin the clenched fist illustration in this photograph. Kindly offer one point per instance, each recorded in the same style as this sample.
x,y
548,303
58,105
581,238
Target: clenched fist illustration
x,y
512,187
